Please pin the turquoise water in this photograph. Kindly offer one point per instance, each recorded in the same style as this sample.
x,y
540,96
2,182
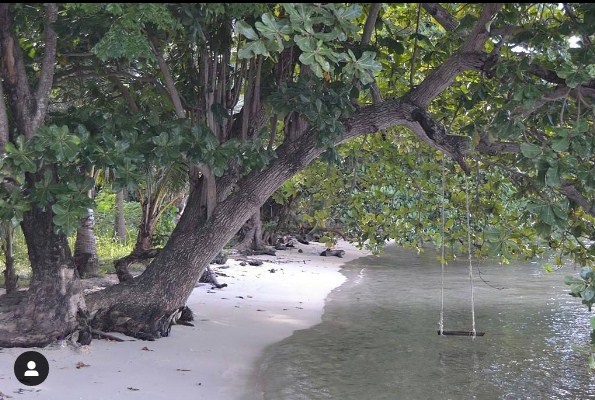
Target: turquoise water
x,y
378,336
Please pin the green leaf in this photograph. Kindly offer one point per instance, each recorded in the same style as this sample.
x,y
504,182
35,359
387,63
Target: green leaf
x,y
245,29
587,273
560,145
552,177
589,294
530,150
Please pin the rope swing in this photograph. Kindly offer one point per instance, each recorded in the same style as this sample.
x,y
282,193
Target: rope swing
x,y
441,331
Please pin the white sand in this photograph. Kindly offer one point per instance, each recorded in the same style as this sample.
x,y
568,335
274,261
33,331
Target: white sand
x,y
215,359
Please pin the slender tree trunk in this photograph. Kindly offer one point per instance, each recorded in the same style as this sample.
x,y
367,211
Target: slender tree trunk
x,y
10,276
85,247
120,222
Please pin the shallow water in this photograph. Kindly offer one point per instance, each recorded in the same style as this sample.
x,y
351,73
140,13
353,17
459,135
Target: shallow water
x,y
378,336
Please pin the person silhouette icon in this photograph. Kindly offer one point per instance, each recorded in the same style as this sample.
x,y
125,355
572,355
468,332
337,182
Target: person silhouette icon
x,y
31,368
31,371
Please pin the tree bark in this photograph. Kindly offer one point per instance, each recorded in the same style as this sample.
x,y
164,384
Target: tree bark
x,y
119,220
10,276
85,247
251,234
50,308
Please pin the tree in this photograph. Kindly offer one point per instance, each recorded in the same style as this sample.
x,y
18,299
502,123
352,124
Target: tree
x,y
310,77
50,307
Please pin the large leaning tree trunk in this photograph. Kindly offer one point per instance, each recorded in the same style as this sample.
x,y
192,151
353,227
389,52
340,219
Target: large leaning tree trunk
x,y
145,306
50,308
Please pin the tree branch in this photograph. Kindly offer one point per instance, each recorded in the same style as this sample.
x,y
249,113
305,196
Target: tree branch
x,y
481,30
15,75
370,23
169,82
366,37
132,107
570,191
441,14
44,86
3,119
442,77
495,148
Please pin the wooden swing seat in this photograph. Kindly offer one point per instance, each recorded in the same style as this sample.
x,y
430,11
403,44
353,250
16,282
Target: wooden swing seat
x,y
460,333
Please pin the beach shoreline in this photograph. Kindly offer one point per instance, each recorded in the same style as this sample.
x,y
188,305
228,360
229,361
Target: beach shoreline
x,y
215,359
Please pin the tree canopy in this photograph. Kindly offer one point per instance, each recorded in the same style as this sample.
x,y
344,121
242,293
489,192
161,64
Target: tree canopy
x,y
494,100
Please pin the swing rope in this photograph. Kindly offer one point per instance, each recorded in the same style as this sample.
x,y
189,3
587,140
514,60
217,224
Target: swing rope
x,y
441,323
441,332
469,251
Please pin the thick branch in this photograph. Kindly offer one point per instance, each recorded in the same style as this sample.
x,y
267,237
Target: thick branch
x,y
441,15
495,148
442,77
481,30
44,86
570,191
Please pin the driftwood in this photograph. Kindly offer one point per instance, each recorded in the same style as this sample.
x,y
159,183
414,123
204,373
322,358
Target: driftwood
x,y
264,251
209,276
329,252
103,335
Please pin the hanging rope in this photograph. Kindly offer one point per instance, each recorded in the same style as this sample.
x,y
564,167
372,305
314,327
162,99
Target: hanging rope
x,y
473,333
441,323
469,251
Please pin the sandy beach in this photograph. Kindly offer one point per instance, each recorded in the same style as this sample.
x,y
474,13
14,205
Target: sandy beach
x,y
215,359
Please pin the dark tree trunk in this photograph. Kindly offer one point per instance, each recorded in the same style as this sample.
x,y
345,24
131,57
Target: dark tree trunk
x,y
144,239
250,234
10,276
49,309
119,220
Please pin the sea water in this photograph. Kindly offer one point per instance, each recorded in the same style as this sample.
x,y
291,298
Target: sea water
x,y
378,336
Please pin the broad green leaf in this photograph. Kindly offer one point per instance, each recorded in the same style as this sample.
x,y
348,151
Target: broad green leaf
x,y
560,145
552,177
530,150
245,29
589,294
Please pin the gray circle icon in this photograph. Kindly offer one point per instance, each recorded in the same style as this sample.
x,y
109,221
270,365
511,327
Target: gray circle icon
x,y
31,368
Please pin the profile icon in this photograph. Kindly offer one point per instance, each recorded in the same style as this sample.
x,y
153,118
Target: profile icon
x,y
31,368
